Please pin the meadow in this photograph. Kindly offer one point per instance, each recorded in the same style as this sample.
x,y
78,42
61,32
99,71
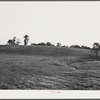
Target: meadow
x,y
44,68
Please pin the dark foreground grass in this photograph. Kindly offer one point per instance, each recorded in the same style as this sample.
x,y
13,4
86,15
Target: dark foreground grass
x,y
27,67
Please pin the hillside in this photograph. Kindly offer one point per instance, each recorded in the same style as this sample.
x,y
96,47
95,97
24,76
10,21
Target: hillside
x,y
45,50
39,68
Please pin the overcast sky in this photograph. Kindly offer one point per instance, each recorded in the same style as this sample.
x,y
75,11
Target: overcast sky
x,y
66,22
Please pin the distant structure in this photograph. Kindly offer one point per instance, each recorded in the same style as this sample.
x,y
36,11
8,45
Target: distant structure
x,y
26,39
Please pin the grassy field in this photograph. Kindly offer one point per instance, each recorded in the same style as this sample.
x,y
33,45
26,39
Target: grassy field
x,y
31,67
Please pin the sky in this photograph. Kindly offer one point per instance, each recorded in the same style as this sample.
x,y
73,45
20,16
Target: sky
x,y
67,22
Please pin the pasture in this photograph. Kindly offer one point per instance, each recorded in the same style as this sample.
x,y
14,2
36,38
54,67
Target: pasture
x,y
43,68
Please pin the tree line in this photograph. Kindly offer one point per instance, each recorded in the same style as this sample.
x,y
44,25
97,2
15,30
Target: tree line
x,y
16,41
46,44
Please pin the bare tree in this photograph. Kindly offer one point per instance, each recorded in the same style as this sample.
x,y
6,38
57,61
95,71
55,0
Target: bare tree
x,y
18,41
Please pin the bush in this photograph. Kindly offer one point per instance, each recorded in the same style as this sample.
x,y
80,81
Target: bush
x,y
48,44
85,47
74,46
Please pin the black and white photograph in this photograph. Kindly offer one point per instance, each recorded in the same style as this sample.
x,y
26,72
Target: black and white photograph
x,y
48,45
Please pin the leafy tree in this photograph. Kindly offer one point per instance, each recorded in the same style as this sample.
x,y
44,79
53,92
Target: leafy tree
x,y
58,44
48,44
13,41
33,44
85,47
74,46
96,48
9,42
26,39
42,44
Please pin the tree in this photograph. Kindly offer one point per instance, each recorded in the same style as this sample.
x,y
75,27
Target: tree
x,y
74,46
58,44
41,44
85,47
18,41
9,42
96,48
48,44
13,41
26,39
